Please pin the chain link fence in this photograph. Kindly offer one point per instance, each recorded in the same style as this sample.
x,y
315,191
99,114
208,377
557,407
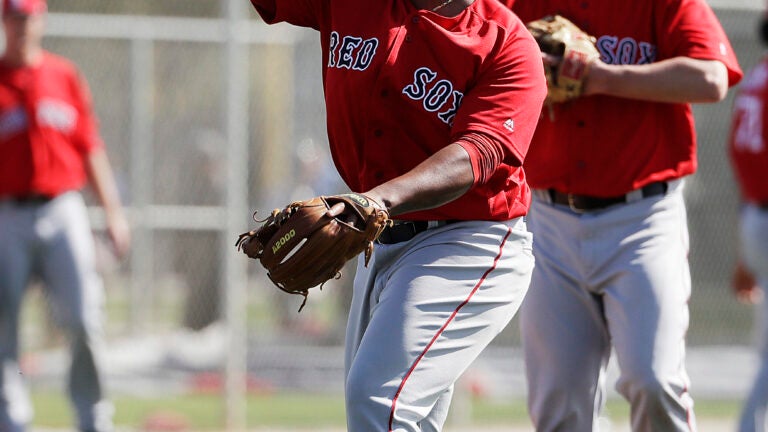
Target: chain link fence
x,y
209,115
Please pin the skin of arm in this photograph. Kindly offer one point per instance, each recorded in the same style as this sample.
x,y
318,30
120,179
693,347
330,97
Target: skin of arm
x,y
675,80
441,178
103,183
744,285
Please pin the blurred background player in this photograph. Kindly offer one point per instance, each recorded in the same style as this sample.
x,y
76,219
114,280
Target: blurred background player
x,y
608,214
50,149
430,108
203,177
749,158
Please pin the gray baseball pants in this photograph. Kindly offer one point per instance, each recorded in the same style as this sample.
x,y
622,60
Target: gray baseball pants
x,y
52,240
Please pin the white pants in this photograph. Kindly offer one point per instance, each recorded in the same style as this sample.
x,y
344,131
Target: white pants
x,y
421,312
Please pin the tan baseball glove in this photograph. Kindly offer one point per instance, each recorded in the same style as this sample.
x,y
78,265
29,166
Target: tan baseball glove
x,y
303,245
570,52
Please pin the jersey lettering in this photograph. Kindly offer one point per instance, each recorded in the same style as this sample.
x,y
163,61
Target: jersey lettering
x,y
366,53
348,44
13,121
351,52
625,51
57,115
748,135
418,89
448,116
332,49
436,96
749,111
647,53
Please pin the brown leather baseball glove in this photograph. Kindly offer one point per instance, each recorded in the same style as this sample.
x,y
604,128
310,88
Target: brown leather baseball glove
x,y
570,52
303,245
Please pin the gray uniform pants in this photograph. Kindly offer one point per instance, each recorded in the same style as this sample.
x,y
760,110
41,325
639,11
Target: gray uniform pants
x,y
615,278
422,311
54,241
754,244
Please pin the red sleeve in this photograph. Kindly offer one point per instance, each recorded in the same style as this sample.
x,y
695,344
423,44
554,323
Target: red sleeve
x,y
485,155
690,28
506,100
303,13
86,134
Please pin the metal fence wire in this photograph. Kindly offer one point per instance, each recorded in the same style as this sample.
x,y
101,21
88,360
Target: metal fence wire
x,y
208,115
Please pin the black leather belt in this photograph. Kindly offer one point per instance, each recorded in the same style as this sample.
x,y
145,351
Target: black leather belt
x,y
401,231
584,203
30,199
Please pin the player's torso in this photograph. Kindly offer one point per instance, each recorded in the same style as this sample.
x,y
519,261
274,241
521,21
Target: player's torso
x,y
38,115
402,83
601,145
394,79
604,19
749,134
36,98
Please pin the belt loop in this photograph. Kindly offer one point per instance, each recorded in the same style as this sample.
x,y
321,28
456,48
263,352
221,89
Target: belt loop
x,y
544,195
572,205
635,195
674,184
640,193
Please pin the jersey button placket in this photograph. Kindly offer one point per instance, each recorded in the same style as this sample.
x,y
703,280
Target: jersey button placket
x,y
414,20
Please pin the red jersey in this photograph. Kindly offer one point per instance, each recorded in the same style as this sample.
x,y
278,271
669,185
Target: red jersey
x,y
606,146
402,83
749,135
46,128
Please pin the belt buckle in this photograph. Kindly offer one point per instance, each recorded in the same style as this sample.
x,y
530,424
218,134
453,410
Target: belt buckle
x,y
572,205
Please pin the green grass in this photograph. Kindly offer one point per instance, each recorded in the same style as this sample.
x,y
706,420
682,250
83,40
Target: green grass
x,y
206,412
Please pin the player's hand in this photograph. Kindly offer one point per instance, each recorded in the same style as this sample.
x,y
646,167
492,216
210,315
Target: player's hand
x,y
119,233
340,212
744,285
550,60
336,210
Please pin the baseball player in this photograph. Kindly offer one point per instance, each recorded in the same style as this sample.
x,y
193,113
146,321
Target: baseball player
x,y
608,215
748,149
431,105
50,147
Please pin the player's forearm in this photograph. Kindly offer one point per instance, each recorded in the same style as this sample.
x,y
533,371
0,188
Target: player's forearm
x,y
676,80
440,179
102,181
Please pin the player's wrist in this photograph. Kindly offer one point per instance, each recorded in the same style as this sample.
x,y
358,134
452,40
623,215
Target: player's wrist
x,y
594,78
376,201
